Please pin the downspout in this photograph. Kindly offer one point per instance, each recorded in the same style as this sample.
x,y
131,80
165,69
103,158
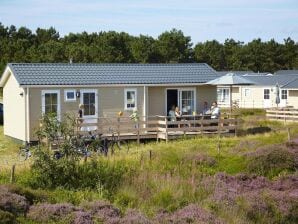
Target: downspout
x,y
144,105
25,98
27,116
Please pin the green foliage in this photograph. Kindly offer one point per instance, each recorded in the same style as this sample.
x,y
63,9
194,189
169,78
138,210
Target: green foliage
x,y
7,217
271,161
46,45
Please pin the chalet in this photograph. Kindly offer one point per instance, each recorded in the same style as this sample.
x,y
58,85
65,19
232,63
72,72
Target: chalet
x,y
33,89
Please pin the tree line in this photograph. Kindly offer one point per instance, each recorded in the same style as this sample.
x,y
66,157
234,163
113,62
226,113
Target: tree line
x,y
46,45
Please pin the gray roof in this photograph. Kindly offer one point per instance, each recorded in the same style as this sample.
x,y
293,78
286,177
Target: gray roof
x,y
291,85
221,73
287,72
231,79
101,74
271,80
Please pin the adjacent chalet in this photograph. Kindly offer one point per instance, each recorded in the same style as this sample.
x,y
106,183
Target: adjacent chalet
x,y
31,89
262,94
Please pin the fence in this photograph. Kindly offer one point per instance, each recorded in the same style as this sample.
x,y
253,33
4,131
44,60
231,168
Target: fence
x,y
283,114
159,127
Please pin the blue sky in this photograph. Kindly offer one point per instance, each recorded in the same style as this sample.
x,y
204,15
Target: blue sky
x,y
201,19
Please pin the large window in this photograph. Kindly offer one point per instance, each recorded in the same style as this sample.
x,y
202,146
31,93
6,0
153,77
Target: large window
x,y
284,94
51,102
223,95
130,99
266,94
187,101
89,100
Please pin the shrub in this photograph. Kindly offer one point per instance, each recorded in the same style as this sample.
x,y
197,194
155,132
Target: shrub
x,y
271,161
50,212
82,218
12,202
7,217
189,214
32,196
134,217
102,210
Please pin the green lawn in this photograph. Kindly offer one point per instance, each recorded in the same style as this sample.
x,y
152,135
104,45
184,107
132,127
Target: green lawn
x,y
8,151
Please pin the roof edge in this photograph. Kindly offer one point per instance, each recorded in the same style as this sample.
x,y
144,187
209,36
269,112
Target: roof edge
x,y
7,71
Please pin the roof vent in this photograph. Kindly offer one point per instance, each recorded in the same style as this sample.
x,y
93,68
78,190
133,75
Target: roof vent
x,y
70,61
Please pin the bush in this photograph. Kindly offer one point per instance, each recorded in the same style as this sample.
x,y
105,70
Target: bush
x,y
101,210
50,212
68,173
271,161
7,217
12,202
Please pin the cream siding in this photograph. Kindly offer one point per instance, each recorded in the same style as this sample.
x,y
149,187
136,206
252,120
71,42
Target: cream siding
x,y
14,109
157,98
110,102
293,98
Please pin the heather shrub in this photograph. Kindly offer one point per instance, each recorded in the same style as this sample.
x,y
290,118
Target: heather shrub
x,y
102,211
258,130
33,196
7,217
271,161
134,217
12,202
81,217
189,214
51,212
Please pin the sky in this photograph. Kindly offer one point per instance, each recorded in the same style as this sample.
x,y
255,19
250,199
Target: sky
x,y
202,20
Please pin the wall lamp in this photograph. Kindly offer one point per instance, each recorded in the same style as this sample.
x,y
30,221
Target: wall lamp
x,y
78,94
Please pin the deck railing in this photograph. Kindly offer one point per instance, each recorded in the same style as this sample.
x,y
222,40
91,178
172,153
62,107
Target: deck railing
x,y
160,127
283,114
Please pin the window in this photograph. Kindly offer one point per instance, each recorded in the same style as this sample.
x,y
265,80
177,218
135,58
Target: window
x,y
266,94
130,99
89,100
246,92
69,95
186,98
284,94
51,102
223,95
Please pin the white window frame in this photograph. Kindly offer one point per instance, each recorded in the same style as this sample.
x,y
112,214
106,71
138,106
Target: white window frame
x,y
266,94
281,94
66,99
82,91
227,100
247,92
125,98
43,102
179,97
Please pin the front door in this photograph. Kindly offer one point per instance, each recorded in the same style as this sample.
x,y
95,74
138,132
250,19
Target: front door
x,y
172,99
283,97
266,98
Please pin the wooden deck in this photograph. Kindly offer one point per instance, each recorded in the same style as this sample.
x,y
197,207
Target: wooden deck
x,y
159,127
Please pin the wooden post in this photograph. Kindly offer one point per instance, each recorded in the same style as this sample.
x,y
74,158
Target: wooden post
x,y
289,134
138,132
118,127
150,154
218,136
12,174
166,134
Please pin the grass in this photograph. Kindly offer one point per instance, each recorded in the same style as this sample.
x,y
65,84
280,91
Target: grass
x,y
169,179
